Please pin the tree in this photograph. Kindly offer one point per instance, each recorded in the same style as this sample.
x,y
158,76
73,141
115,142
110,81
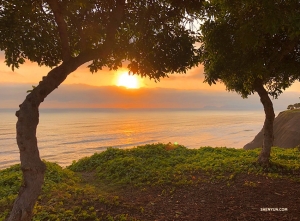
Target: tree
x,y
297,105
253,46
290,107
151,35
293,106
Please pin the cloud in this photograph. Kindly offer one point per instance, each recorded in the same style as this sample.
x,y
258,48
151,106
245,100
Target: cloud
x,y
84,96
118,97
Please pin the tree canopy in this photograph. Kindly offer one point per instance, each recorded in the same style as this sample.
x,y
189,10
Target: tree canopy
x,y
246,40
294,106
152,35
253,46
155,38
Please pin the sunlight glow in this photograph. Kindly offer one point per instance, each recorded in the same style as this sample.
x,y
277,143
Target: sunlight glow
x,y
128,81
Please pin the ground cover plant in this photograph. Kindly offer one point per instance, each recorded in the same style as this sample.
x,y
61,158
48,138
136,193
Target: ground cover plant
x,y
164,182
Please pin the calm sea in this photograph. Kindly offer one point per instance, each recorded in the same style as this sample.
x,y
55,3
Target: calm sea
x,y
67,135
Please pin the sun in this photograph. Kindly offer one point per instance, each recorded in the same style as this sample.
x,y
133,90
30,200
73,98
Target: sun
x,y
128,81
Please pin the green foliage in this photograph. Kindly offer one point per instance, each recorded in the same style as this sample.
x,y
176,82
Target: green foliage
x,y
63,196
247,40
10,181
55,174
66,197
155,165
294,106
153,35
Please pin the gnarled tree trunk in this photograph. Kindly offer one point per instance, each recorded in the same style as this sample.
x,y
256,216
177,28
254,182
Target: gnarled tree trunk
x,y
264,156
28,118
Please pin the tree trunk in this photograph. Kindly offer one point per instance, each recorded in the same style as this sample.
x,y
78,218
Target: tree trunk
x,y
28,118
264,156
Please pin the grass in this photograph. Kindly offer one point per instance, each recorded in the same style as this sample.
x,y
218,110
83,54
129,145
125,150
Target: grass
x,y
155,165
66,197
63,196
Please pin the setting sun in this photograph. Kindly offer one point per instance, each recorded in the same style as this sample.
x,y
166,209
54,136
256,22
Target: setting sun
x,y
128,81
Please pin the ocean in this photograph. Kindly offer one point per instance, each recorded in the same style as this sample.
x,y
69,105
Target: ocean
x,y
70,134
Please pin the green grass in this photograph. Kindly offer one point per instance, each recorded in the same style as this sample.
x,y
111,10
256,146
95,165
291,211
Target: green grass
x,y
66,197
154,165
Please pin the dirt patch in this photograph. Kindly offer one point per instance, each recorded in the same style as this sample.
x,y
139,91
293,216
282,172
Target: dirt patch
x,y
241,199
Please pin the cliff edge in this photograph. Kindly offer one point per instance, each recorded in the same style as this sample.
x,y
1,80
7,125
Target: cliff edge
x,y
286,131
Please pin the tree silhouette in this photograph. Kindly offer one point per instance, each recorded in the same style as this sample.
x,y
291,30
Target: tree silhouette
x,y
151,35
253,46
294,106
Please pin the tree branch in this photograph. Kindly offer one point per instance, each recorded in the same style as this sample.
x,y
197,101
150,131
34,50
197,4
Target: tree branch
x,y
287,47
116,18
62,28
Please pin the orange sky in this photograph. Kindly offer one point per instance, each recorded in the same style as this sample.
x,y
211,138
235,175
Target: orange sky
x,y
189,87
32,73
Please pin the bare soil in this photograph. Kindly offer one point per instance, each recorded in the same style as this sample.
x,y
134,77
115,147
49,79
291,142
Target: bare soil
x,y
244,198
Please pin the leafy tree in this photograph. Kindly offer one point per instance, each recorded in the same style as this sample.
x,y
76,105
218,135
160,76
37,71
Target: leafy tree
x,y
151,35
253,46
293,106
297,105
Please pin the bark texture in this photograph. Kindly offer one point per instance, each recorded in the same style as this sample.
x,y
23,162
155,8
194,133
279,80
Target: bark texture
x,y
28,118
31,165
264,156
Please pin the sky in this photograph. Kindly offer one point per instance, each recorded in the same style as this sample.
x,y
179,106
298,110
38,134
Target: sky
x,y
83,89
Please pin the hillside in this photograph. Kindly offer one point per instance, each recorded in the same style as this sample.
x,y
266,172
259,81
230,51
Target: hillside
x,y
286,131
165,183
